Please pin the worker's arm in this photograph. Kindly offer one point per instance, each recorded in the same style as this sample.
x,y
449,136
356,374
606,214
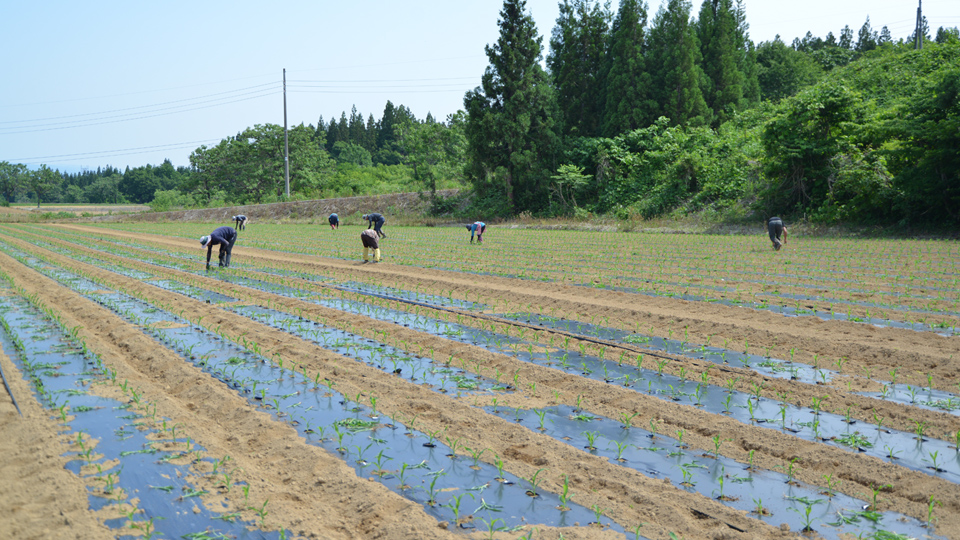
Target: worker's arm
x,y
784,235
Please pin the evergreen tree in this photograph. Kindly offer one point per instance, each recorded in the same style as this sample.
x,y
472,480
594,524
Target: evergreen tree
x,y
577,64
370,135
846,38
385,135
627,104
344,127
717,30
674,60
866,38
510,127
321,127
747,57
333,135
885,36
356,127
946,35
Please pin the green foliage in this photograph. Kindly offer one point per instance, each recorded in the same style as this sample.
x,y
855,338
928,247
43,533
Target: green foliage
x,y
874,142
722,44
13,178
44,183
249,168
783,71
923,149
628,81
803,141
577,64
172,199
662,168
433,150
510,117
674,60
347,152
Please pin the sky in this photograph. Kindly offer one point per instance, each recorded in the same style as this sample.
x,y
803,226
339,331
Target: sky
x,y
120,83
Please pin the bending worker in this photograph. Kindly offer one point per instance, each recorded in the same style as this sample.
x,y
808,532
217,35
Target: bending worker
x,y
375,222
370,242
477,228
775,228
226,237
241,221
334,221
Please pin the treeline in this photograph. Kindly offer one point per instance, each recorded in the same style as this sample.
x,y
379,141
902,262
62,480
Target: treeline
x,y
106,185
685,114
634,115
350,157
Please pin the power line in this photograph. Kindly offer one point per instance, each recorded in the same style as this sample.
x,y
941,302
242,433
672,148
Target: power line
x,y
260,86
7,106
124,118
120,152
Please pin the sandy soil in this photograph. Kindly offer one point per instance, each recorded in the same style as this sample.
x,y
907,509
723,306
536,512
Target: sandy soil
x,y
319,497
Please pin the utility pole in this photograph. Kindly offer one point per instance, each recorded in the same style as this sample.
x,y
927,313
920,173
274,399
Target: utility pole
x,y
918,35
286,145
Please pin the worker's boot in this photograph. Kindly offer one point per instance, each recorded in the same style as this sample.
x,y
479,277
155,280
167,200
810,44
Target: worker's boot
x,y
366,254
376,255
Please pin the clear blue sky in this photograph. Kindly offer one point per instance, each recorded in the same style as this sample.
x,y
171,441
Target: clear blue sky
x,y
129,83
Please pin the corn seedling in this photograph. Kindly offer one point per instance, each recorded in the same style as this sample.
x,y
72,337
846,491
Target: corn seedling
x,y
534,482
565,494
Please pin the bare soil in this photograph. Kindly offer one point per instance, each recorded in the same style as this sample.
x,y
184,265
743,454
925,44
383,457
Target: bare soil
x,y
318,496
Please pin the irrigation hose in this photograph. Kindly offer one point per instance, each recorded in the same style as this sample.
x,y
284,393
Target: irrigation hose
x,y
9,391
696,512
512,322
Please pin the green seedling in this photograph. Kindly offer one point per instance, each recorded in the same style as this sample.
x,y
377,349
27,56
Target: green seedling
x,y
534,482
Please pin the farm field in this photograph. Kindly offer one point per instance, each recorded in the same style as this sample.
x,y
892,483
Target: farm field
x,y
544,384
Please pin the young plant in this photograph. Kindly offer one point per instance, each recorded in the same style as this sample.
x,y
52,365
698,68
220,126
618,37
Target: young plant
x,y
534,482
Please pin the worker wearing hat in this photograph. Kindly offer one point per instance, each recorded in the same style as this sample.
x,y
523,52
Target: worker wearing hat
x,y
226,237
375,221
477,229
241,221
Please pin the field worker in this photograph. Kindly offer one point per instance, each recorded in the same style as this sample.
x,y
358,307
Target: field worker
x,y
241,221
375,222
477,228
775,228
334,221
370,241
226,237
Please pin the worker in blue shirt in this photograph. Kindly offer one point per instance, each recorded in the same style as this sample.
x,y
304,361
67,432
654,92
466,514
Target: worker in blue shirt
x,y
477,229
334,220
375,222
226,237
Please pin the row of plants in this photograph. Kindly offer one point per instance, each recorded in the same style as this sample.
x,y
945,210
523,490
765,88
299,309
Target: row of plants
x,y
375,314
346,425
938,399
707,268
143,471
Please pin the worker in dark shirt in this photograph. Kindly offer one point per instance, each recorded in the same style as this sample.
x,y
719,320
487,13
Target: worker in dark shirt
x,y
375,222
226,237
477,229
241,221
334,220
371,242
775,228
